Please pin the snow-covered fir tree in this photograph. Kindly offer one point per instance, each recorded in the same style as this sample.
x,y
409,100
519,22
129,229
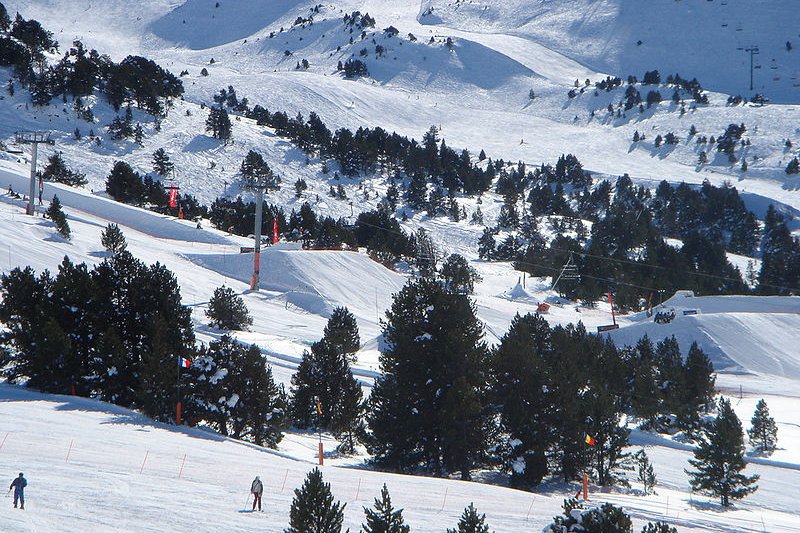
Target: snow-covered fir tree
x,y
719,459
763,432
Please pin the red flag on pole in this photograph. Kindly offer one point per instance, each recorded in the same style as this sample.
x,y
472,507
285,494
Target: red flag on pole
x,y
274,230
173,196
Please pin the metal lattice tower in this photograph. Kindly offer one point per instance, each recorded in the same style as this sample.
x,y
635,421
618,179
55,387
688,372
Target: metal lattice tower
x,y
568,271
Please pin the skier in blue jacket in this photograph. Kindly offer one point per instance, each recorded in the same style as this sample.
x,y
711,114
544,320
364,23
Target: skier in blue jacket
x,y
19,485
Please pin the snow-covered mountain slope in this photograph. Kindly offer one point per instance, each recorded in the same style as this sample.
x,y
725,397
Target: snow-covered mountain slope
x,y
478,92
124,473
96,467
699,38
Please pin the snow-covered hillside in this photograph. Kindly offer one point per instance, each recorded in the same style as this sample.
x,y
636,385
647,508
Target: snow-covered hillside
x,y
478,93
732,330
696,38
476,90
290,313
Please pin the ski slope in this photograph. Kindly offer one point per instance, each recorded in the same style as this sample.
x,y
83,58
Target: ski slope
x,y
477,94
95,467
740,334
126,467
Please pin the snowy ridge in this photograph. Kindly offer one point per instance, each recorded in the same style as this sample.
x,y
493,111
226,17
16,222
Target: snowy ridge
x,y
631,37
316,281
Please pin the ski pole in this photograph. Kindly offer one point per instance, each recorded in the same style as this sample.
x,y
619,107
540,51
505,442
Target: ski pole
x,y
247,502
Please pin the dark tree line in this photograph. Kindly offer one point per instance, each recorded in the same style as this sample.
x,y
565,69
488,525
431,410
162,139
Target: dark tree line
x,y
367,150
128,186
115,333
105,332
445,403
626,251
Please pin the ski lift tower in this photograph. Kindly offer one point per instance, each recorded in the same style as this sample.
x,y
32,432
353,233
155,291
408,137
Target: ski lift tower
x,y
34,138
752,50
258,183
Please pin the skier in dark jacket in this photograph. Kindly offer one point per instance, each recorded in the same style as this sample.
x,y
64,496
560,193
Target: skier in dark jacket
x,y
19,485
257,488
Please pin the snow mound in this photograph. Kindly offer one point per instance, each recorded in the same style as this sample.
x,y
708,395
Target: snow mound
x,y
740,334
315,281
518,293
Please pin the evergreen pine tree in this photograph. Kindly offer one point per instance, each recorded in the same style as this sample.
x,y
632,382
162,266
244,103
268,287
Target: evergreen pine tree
x,y
5,20
384,519
227,310
416,194
56,170
519,391
697,386
427,405
719,459
341,332
458,276
232,388
256,172
471,522
670,375
425,253
159,371
646,395
24,305
659,527
161,163
219,124
793,167
763,432
780,256
324,375
129,298
58,217
125,185
112,239
72,300
313,509
487,244
645,472
138,134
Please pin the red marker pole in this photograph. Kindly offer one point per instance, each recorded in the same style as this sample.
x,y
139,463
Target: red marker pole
x,y
585,487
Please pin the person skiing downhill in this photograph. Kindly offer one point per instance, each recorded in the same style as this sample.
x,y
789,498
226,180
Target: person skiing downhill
x,y
19,485
257,488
